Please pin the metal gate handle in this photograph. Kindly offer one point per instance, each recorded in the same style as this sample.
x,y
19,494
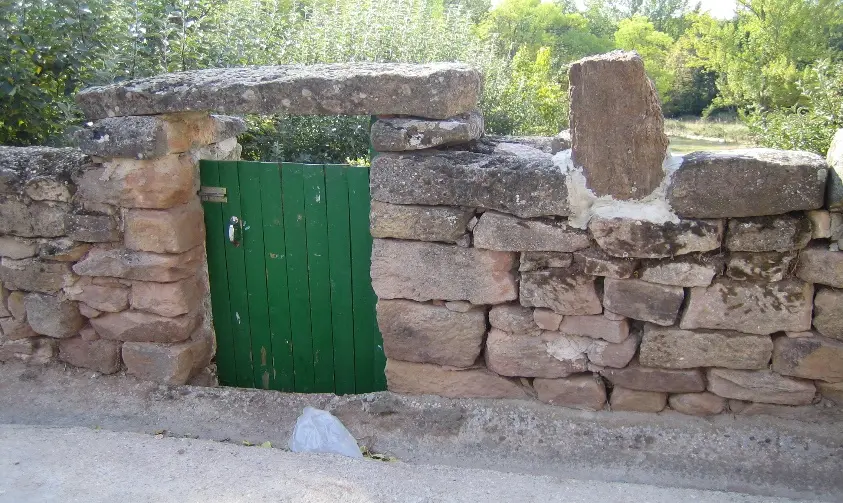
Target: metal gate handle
x,y
235,231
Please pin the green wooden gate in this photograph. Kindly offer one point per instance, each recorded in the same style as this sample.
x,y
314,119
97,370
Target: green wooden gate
x,y
289,251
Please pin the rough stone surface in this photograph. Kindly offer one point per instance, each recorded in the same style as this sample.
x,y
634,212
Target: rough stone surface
x,y
546,319
549,355
534,261
424,271
626,237
435,90
513,318
148,137
697,404
425,379
644,301
53,316
828,312
20,166
685,271
596,327
422,223
425,333
832,391
111,298
4,295
15,303
819,265
137,265
820,224
764,266
38,219
835,163
166,299
760,386
226,150
526,185
34,275
88,333
750,307
607,354
175,230
100,355
547,144
578,392
778,233
498,231
399,134
167,364
596,262
62,250
16,329
634,376
669,347
154,184
459,306
136,326
617,127
809,358
92,228
17,350
17,248
565,291
623,399
747,183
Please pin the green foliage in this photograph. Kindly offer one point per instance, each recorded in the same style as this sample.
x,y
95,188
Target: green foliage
x,y
310,140
638,34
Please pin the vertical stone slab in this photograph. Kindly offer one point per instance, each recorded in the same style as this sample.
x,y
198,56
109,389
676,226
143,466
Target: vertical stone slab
x,y
617,127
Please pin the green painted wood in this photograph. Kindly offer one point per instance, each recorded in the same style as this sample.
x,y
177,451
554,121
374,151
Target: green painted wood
x,y
339,242
236,264
256,288
292,193
218,277
276,278
318,264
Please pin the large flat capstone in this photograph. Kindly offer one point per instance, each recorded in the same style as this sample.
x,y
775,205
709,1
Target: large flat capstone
x,y
436,91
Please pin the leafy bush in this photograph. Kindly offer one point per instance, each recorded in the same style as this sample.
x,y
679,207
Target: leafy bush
x,y
309,140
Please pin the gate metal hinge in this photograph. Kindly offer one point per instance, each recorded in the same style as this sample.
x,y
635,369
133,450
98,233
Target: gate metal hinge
x,y
213,194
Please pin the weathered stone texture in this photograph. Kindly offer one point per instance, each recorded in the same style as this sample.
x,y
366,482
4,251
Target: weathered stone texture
x,y
596,327
15,303
175,230
513,318
425,333
399,134
16,329
38,219
617,128
162,363
835,163
550,355
17,248
747,183
565,291
546,319
136,326
758,234
425,379
634,376
34,275
607,354
100,355
578,392
820,224
138,265
20,166
764,266
52,315
534,261
92,228
111,298
697,404
832,391
424,271
596,262
4,295
750,307
625,237
819,265
682,271
644,301
685,349
166,299
62,250
760,386
498,231
809,358
523,185
623,399
828,312
422,223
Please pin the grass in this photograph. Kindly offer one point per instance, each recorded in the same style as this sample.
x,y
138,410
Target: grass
x,y
689,134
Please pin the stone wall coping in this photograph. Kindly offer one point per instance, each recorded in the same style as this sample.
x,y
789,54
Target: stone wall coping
x,y
19,165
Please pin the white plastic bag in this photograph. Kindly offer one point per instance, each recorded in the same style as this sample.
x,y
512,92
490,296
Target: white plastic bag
x,y
319,431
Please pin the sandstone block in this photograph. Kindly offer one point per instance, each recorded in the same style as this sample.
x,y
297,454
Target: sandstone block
x,y
18,165
747,183
425,333
578,392
565,291
764,266
226,150
534,261
422,223
682,271
459,306
644,301
685,349
162,363
15,329
88,311
37,219
17,248
100,355
596,327
88,334
398,134
425,379
166,299
497,231
53,315
772,233
16,305
760,386
819,265
625,237
546,319
623,399
424,271
550,355
809,358
697,404
136,326
138,265
513,318
832,391
596,262
828,313
617,127
664,380
175,230
48,189
34,275
607,354
92,228
111,298
835,163
750,307
820,224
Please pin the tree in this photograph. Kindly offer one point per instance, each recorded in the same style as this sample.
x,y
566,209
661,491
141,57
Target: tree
x,y
638,34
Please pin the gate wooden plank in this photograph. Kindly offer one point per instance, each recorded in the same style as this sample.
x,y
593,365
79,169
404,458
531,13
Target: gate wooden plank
x,y
339,243
253,250
276,278
318,262
215,230
236,262
292,192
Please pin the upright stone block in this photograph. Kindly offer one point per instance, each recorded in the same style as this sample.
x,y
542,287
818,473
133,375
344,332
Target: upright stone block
x,y
421,223
565,291
426,379
626,237
643,301
617,128
498,231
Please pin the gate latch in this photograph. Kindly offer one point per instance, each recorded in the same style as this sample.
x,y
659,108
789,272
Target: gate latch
x,y
213,194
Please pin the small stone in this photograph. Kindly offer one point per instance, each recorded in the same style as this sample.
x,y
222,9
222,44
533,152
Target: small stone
x,y
138,265
565,291
425,333
4,295
109,298
497,231
773,233
534,261
760,386
17,248
175,230
136,326
53,316
684,349
820,224
819,265
596,262
832,391
623,399
226,150
636,377
697,404
644,301
100,355
546,319
92,228
749,307
162,363
88,311
607,354
88,334
15,302
62,250
426,379
815,357
422,223
579,392
764,266
513,318
19,217
409,133
613,316
626,237
550,355
48,189
596,327
835,162
828,312
459,306
683,271
16,329
166,299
